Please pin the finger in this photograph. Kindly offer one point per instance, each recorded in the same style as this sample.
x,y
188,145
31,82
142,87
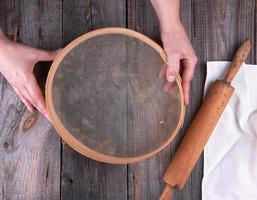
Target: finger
x,y
162,72
187,76
24,100
173,67
37,103
36,96
44,55
26,94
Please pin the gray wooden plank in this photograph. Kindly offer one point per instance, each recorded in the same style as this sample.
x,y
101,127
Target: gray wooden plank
x,y
229,24
191,22
192,189
145,177
40,24
84,178
218,28
110,13
30,148
29,158
246,27
76,19
9,16
141,17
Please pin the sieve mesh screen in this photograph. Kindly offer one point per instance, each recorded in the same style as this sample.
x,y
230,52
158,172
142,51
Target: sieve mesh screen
x,y
108,92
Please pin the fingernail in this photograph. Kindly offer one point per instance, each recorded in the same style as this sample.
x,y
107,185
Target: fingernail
x,y
171,78
187,101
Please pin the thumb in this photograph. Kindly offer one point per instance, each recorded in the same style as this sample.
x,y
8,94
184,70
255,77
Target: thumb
x,y
173,62
44,55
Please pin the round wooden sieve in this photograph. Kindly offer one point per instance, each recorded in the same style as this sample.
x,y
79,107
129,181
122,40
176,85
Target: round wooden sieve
x,y
108,98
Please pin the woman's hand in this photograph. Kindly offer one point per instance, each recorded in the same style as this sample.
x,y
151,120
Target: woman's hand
x,y
16,64
180,56
180,53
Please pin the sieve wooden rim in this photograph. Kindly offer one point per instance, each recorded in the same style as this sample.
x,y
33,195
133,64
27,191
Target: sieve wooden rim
x,y
67,136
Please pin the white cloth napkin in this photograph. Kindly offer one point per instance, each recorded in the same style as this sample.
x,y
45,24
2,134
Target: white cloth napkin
x,y
230,157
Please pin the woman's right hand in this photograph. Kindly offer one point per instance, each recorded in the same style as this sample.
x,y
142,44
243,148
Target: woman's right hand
x,y
16,64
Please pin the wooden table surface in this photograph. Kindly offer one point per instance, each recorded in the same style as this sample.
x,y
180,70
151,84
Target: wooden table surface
x,y
36,164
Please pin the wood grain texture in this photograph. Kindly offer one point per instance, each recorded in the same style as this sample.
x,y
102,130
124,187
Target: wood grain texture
x,y
30,148
41,26
193,16
216,28
106,13
83,178
229,24
145,178
199,13
76,19
141,17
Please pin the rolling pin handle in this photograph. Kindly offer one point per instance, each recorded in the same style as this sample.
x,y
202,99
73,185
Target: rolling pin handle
x,y
167,193
239,58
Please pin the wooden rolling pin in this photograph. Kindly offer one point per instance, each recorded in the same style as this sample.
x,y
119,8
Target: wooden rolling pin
x,y
202,126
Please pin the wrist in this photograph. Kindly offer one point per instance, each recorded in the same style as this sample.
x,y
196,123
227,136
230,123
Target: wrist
x,y
168,26
168,14
3,42
2,35
167,9
3,39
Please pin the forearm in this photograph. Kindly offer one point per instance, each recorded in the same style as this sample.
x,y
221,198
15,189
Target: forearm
x,y
167,12
177,46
